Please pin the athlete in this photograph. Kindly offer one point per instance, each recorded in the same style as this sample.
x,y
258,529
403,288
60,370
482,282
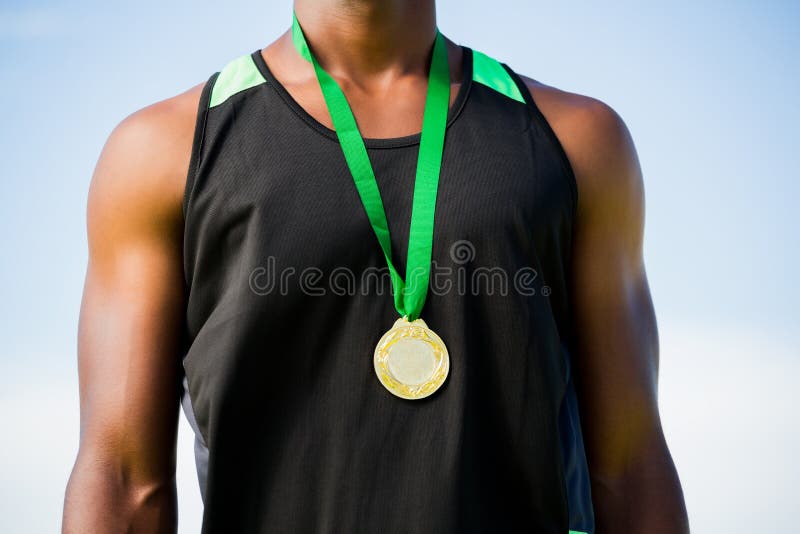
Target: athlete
x,y
240,235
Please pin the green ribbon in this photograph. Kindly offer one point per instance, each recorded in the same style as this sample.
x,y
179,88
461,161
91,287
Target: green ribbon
x,y
409,294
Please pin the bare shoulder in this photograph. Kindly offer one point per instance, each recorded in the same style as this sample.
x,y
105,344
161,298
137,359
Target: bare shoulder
x,y
595,138
141,173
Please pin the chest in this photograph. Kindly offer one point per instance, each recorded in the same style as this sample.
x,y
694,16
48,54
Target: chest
x,y
297,197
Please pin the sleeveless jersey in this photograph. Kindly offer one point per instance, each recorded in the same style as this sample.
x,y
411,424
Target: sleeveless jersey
x,y
288,294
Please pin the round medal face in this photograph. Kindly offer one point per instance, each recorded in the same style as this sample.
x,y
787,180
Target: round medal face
x,y
411,361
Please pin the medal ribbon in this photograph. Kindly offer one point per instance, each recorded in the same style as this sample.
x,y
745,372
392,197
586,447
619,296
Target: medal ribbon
x,y
409,294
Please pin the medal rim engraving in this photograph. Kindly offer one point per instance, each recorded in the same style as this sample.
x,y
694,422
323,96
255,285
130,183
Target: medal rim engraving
x,y
417,329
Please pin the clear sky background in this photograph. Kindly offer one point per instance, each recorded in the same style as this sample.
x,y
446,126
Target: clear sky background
x,y
708,89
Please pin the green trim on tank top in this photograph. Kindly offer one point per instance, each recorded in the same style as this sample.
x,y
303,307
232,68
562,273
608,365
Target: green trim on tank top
x,y
490,72
242,73
238,75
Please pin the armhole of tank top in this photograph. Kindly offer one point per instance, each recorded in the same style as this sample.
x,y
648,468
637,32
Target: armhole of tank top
x,y
540,119
197,141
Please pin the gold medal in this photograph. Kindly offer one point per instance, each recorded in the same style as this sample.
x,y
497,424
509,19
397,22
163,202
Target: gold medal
x,y
411,361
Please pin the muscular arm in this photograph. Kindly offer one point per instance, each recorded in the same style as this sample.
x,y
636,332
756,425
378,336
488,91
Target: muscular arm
x,y
130,327
635,486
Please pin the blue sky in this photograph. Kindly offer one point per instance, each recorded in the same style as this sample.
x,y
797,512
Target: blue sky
x,y
708,91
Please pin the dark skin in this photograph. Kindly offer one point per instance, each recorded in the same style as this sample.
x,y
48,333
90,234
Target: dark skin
x,y
134,303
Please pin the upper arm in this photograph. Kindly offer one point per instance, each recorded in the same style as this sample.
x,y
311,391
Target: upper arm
x,y
613,315
131,318
634,484
614,326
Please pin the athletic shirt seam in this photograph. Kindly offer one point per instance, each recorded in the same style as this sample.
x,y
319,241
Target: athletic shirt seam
x,y
194,168
197,143
565,337
542,121
539,118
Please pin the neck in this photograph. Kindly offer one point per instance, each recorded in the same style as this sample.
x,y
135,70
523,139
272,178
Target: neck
x,y
363,38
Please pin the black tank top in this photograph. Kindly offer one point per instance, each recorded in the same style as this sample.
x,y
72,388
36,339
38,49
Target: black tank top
x,y
288,293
